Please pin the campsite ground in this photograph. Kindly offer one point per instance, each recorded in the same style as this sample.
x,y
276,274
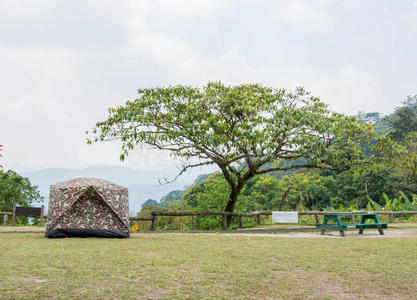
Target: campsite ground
x,y
179,265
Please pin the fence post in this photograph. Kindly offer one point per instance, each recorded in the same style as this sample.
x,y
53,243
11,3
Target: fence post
x,y
224,222
258,219
154,219
317,217
41,220
14,215
391,218
240,222
193,222
4,220
352,219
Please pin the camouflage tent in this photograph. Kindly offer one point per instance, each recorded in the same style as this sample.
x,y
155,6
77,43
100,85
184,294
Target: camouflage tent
x,y
88,207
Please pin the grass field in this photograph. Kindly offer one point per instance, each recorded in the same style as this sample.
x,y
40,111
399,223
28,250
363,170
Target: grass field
x,y
164,265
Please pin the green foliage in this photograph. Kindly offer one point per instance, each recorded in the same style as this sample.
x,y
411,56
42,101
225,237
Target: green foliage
x,y
171,196
209,195
224,121
149,202
404,119
175,223
15,189
247,130
387,185
404,172
400,203
146,212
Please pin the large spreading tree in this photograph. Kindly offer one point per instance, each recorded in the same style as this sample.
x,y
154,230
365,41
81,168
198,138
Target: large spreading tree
x,y
245,130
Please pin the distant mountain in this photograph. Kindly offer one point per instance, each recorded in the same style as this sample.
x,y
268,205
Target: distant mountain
x,y
142,183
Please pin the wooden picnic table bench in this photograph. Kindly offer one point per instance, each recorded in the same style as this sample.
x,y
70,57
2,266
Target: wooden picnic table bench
x,y
342,226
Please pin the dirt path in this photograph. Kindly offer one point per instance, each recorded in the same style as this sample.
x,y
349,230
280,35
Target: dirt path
x,y
397,231
388,233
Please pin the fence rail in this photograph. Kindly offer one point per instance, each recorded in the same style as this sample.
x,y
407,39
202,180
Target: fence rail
x,y
257,214
193,214
35,212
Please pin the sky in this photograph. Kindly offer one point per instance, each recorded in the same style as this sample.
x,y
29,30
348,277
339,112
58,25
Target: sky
x,y
64,63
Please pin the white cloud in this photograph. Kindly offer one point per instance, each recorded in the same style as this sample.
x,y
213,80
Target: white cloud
x,y
352,89
194,8
48,101
25,9
411,20
41,105
305,17
349,89
161,49
39,75
53,90
233,54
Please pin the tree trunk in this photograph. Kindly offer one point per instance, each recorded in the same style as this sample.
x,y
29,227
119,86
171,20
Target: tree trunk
x,y
301,198
235,186
312,200
231,205
284,197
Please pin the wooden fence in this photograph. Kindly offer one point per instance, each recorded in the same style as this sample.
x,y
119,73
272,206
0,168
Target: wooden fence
x,y
257,215
39,213
18,211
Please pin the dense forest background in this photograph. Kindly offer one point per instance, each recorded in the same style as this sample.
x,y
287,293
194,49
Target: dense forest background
x,y
390,184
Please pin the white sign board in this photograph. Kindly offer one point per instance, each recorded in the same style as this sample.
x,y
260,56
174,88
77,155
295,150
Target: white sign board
x,y
285,217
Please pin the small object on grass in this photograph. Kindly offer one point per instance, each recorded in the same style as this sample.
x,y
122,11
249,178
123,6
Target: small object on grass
x,y
134,227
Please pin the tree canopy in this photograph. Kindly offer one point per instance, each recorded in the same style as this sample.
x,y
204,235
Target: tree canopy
x,y
246,130
15,189
404,119
149,202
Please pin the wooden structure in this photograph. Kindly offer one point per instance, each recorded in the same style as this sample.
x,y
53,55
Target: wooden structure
x,y
21,211
257,215
342,226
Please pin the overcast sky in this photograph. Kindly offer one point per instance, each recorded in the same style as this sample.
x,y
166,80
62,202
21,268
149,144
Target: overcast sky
x,y
63,63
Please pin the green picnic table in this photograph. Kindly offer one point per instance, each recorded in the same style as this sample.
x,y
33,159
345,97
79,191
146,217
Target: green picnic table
x,y
342,226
